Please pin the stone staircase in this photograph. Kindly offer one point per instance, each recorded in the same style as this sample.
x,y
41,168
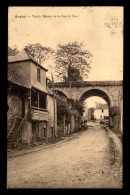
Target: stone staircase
x,y
14,135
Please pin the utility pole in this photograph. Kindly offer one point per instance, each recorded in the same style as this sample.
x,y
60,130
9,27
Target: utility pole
x,y
54,107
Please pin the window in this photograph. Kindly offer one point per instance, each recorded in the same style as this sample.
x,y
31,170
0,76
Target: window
x,y
38,99
42,101
34,98
102,110
38,75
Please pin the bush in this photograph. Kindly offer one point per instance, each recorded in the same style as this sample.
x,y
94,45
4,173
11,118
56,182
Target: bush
x,y
114,111
64,109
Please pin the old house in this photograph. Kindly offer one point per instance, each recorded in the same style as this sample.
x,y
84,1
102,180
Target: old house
x,y
31,113
101,111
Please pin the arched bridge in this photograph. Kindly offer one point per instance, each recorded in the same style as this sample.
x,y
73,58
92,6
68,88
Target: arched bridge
x,y
111,91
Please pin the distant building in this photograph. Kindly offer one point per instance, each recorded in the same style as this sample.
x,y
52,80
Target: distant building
x,y
101,111
30,102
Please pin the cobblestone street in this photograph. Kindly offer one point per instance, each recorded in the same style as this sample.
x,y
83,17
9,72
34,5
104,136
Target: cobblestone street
x,y
85,161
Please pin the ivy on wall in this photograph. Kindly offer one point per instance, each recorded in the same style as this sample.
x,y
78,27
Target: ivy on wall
x,y
114,111
67,109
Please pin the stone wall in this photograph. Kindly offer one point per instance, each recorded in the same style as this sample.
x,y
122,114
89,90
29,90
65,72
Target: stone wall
x,y
115,119
50,108
72,124
67,129
15,109
27,133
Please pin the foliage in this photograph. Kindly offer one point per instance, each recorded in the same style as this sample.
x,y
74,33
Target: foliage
x,y
114,111
73,60
12,51
63,108
73,75
38,52
79,106
68,109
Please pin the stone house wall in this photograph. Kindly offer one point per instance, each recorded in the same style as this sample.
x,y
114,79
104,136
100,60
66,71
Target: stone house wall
x,y
14,109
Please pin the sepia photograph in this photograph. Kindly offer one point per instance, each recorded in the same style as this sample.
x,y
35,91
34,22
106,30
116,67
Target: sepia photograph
x,y
65,97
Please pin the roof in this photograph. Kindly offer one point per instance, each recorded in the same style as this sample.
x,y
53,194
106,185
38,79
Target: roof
x,y
15,79
101,106
23,56
14,83
40,90
12,80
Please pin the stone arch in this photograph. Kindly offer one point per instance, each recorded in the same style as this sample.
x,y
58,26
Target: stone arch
x,y
96,92
60,92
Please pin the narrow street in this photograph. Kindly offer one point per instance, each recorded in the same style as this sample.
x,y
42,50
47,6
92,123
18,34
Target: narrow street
x,y
80,162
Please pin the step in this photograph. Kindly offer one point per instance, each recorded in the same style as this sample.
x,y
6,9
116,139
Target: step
x,y
14,134
11,140
9,145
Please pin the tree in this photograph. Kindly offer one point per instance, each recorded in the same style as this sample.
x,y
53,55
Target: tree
x,y
64,109
72,60
38,52
79,106
12,51
43,55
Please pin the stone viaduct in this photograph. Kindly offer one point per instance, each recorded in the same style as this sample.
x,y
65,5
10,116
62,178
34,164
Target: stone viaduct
x,y
110,91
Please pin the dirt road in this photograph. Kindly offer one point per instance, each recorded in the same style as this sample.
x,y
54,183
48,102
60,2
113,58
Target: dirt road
x,y
82,162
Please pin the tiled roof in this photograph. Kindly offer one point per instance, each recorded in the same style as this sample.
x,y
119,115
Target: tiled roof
x,y
101,106
22,55
15,79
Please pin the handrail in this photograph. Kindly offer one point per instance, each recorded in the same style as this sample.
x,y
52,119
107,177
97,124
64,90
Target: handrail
x,y
12,127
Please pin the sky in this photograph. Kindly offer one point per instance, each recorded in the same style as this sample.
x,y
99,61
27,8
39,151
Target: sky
x,y
92,100
99,28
